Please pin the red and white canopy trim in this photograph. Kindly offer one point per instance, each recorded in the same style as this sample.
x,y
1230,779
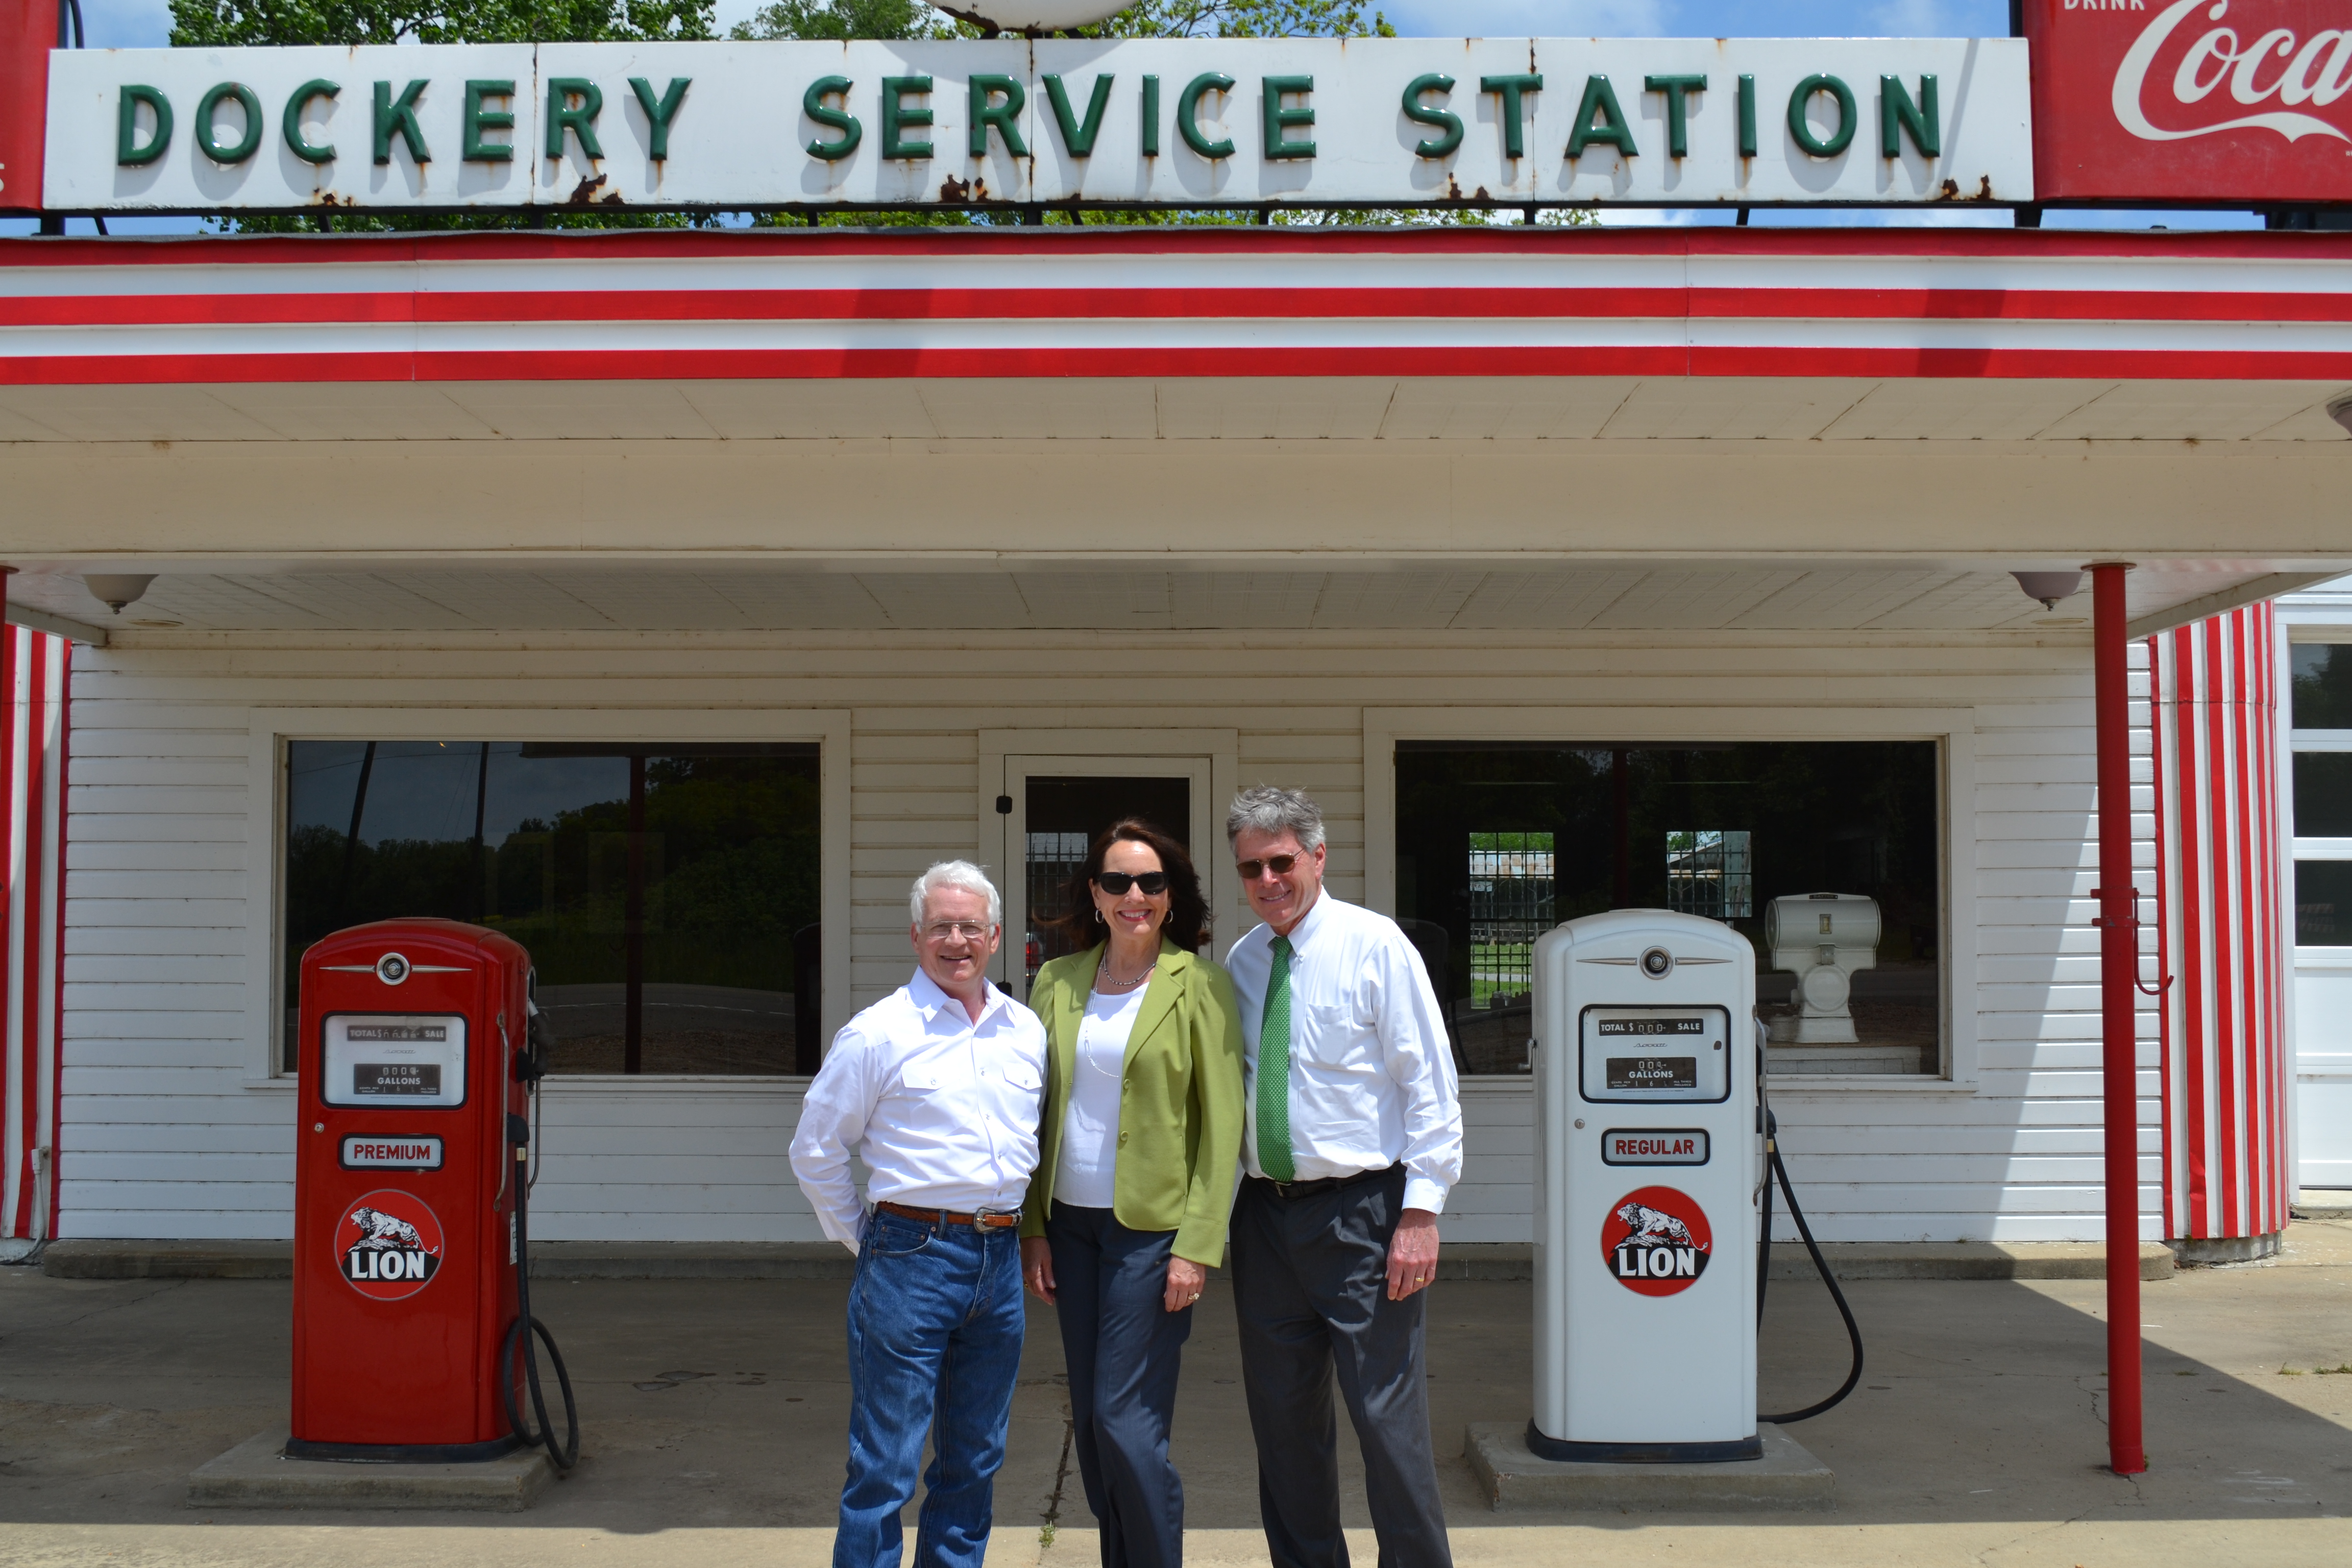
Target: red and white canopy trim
x,y
34,674
1174,301
2221,928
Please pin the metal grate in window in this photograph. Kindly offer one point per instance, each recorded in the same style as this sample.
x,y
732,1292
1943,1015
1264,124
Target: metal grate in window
x,y
1711,874
1511,899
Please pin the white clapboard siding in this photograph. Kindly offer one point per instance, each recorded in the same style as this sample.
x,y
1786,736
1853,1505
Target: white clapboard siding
x,y
169,1131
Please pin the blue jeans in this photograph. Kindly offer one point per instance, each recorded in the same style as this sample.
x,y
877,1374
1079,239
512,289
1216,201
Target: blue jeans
x,y
935,1329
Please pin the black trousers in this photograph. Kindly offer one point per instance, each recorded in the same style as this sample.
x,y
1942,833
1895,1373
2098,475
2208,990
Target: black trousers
x,y
1123,1346
1310,1289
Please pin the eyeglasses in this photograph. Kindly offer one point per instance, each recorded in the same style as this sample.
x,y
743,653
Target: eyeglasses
x,y
1117,883
946,928
1279,865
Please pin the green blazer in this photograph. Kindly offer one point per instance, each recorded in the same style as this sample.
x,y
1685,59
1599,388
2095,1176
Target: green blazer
x,y
1179,1103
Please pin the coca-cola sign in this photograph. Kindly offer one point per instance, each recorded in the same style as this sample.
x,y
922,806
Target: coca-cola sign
x,y
2237,101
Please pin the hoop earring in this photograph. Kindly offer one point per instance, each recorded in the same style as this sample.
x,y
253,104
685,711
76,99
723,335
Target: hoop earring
x,y
1098,920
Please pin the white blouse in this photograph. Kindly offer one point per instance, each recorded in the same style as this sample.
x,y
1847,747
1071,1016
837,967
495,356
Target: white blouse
x,y
1085,1171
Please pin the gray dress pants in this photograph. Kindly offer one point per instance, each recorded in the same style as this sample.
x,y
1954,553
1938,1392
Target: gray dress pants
x,y
1310,1290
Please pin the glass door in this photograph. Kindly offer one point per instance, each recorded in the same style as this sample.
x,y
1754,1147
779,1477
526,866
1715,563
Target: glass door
x,y
1052,809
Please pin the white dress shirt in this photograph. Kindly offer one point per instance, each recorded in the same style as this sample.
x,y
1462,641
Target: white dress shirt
x,y
943,1111
1085,1171
1371,1074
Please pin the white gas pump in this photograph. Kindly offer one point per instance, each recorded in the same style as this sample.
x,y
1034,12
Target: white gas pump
x,y
1651,1156
1825,940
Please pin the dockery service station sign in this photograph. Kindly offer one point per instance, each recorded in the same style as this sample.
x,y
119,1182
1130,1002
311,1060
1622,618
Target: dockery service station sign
x,y
1209,122
2212,102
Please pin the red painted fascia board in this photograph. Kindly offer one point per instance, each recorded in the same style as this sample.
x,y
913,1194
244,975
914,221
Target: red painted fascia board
x,y
597,306
722,364
29,30
1664,244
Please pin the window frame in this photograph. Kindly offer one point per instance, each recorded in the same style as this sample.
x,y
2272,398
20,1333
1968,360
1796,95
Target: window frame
x,y
1953,730
271,729
2298,742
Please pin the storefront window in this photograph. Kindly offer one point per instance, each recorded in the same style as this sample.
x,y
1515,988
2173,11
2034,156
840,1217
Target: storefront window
x,y
668,895
1499,841
2320,700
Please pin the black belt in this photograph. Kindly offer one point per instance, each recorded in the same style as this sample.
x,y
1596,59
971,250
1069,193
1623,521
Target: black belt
x,y
1324,1184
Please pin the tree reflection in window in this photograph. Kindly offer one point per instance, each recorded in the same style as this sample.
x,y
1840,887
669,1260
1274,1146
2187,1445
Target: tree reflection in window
x,y
668,895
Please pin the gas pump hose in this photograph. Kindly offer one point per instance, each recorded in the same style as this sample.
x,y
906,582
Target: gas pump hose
x,y
518,1362
1764,1267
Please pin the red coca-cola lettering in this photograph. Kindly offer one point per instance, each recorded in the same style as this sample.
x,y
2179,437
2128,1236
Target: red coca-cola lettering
x,y
2241,101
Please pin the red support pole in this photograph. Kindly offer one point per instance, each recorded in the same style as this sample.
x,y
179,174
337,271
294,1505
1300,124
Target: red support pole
x,y
2119,1010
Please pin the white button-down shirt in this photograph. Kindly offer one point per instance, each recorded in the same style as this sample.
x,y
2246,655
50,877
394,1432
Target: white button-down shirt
x,y
943,1111
1371,1074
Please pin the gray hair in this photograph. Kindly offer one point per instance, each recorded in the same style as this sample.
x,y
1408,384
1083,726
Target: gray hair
x,y
1268,808
954,874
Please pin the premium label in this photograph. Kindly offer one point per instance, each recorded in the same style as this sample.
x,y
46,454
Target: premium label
x,y
376,1153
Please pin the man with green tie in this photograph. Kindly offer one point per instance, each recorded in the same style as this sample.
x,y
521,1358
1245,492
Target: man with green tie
x,y
1354,1137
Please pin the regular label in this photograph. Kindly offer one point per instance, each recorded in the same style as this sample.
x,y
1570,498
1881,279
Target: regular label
x,y
1652,1072
403,1079
1656,1241
1654,1146
389,1244
381,1154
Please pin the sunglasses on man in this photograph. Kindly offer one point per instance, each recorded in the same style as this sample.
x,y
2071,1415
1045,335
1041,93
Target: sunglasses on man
x,y
1279,865
1117,883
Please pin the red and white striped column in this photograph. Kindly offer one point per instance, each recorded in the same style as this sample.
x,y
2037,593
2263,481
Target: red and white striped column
x,y
34,673
2219,865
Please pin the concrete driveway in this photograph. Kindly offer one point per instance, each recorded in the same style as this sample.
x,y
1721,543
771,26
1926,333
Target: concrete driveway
x,y
715,1410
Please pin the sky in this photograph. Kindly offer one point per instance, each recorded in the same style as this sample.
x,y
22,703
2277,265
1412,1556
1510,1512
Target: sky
x,y
137,24
147,24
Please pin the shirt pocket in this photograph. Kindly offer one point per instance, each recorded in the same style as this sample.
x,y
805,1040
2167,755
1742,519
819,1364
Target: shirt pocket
x,y
1334,1044
932,1075
1023,1077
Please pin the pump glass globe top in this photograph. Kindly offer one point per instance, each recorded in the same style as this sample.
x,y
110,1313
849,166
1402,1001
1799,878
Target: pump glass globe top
x,y
1043,15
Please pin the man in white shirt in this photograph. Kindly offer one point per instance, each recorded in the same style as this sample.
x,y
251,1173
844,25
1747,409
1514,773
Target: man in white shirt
x,y
1354,1138
938,1088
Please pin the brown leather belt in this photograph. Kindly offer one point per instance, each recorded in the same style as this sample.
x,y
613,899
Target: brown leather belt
x,y
949,1218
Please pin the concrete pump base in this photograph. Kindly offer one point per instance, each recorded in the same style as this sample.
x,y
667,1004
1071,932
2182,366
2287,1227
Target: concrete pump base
x,y
1786,1478
257,1474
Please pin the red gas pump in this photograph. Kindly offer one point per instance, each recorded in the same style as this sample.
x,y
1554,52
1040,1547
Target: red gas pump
x,y
420,1052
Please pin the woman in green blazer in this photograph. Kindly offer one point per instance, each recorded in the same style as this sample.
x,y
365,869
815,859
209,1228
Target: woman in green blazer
x,y
1141,1135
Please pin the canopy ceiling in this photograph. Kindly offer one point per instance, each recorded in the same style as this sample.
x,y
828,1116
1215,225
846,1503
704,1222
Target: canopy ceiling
x,y
1170,428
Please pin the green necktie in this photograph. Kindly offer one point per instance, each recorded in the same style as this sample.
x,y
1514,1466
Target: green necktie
x,y
1273,1071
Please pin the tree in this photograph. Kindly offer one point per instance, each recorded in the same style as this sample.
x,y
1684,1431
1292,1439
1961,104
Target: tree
x,y
221,24
845,19
1151,19
1245,19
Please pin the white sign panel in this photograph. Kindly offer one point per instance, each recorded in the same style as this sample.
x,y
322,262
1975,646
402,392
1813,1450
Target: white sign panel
x,y
1179,122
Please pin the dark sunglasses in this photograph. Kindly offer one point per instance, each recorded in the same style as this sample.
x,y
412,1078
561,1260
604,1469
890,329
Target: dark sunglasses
x,y
1117,883
1279,865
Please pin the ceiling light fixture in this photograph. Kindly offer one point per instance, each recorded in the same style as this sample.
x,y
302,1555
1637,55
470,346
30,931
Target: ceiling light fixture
x,y
2340,410
116,589
2049,586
